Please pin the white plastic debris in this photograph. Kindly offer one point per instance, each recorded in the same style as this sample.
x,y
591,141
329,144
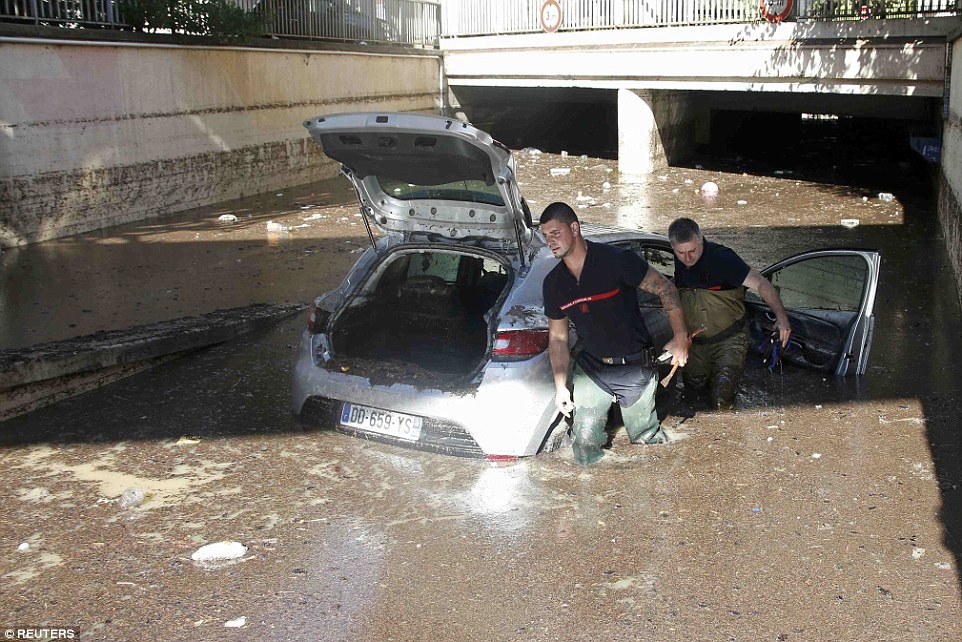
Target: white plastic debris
x,y
917,552
23,548
849,222
564,153
560,171
886,197
709,189
236,623
606,186
275,227
131,497
816,455
943,566
688,181
582,198
218,551
740,202
227,218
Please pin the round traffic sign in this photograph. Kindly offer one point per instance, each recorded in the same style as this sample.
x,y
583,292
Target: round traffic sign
x,y
775,10
550,15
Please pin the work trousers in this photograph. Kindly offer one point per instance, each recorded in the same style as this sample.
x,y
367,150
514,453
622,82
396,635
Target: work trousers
x,y
591,414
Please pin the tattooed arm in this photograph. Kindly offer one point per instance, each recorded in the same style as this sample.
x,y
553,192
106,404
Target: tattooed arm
x,y
656,283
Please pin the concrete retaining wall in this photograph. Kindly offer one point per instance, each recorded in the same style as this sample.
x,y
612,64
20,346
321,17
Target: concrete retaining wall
x,y
950,180
93,134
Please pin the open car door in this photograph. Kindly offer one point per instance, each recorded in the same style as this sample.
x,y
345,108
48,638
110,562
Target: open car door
x,y
830,297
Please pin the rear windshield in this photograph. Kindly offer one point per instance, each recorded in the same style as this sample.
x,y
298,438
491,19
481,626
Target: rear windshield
x,y
471,191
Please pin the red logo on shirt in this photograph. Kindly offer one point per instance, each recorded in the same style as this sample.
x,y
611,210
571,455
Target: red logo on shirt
x,y
585,300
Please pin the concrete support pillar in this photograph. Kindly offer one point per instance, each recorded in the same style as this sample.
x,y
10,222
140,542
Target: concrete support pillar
x,y
655,129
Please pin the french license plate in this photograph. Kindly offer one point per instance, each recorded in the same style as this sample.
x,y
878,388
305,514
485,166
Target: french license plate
x,y
383,422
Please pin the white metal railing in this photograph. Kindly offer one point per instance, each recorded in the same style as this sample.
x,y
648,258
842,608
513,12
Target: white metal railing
x,y
488,17
410,22
423,22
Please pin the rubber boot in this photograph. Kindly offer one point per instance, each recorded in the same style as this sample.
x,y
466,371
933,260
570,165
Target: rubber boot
x,y
724,387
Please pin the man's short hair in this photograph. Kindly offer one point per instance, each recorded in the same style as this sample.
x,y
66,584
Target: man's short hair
x,y
683,230
560,212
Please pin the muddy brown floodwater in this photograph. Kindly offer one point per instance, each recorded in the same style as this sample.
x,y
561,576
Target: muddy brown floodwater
x,y
823,509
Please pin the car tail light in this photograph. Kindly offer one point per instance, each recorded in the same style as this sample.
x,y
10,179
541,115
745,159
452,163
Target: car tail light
x,y
501,457
316,319
519,344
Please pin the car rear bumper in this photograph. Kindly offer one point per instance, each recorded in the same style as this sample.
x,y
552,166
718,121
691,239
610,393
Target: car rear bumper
x,y
508,414
437,435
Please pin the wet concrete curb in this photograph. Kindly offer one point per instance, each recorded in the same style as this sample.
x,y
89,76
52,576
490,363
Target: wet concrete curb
x,y
38,375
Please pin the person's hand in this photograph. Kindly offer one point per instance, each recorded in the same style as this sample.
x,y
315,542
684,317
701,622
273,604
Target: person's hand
x,y
784,330
562,400
678,347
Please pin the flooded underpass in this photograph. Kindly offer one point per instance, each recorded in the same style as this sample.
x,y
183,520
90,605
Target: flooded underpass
x,y
822,509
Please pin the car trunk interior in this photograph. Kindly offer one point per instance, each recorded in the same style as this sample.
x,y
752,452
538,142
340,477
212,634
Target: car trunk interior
x,y
422,311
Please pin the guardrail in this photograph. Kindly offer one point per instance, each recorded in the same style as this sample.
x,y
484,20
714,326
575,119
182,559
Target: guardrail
x,y
406,22
489,17
423,22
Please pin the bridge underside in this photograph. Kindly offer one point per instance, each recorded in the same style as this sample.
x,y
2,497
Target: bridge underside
x,y
653,96
647,130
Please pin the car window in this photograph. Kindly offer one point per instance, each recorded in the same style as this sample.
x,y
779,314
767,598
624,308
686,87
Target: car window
x,y
467,190
820,283
438,264
660,259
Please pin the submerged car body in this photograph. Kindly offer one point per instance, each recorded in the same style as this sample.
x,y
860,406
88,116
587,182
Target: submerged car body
x,y
436,338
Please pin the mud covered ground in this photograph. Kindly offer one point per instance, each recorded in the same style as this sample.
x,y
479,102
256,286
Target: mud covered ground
x,y
823,509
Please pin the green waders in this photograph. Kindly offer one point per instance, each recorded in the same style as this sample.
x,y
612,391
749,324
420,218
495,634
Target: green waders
x,y
591,414
717,368
716,358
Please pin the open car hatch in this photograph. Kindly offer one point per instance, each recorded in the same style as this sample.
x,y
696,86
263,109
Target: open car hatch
x,y
418,173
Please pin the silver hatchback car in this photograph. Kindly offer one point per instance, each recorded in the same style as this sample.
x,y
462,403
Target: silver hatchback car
x,y
436,338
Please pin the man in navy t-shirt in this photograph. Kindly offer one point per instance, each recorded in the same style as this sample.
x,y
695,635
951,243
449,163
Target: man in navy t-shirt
x,y
711,280
595,285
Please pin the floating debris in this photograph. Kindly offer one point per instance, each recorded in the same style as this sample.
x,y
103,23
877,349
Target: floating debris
x,y
131,497
219,551
849,222
560,171
227,218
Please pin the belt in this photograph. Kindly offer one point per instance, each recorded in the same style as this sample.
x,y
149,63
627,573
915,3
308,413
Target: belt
x,y
730,331
646,357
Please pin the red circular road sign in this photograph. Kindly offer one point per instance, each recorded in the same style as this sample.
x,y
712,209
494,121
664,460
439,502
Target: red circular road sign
x,y
550,15
775,10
